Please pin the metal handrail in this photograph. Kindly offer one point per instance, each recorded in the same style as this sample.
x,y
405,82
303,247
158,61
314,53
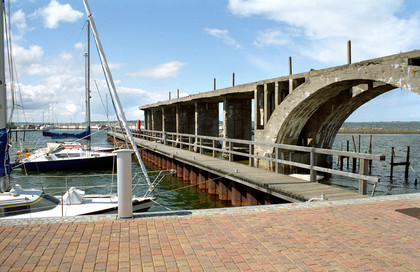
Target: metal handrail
x,y
200,143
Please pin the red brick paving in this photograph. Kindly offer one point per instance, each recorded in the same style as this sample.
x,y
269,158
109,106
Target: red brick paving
x,y
359,235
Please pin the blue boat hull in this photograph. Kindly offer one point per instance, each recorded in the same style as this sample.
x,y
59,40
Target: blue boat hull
x,y
73,164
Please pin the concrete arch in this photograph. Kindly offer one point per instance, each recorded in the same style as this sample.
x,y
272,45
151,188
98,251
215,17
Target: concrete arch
x,y
322,114
313,113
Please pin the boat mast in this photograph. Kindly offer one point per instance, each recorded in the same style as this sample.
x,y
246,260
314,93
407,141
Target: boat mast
x,y
87,78
4,133
3,101
114,95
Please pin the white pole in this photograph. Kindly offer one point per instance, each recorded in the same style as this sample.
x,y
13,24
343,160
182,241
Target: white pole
x,y
124,175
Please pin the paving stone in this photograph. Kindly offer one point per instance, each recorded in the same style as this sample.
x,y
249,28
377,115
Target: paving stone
x,y
349,235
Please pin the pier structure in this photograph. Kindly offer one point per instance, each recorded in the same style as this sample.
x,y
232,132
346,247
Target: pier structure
x,y
305,109
206,163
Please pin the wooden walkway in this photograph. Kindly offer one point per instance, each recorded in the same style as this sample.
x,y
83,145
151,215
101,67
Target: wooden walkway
x,y
283,186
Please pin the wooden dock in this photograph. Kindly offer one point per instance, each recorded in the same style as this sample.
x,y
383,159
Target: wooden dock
x,y
279,185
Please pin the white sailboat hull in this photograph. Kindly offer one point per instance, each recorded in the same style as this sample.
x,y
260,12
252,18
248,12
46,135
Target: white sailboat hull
x,y
36,204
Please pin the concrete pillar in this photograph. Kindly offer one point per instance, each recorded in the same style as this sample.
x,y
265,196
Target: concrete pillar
x,y
169,119
185,119
237,118
157,119
207,119
147,119
283,89
259,107
269,100
266,104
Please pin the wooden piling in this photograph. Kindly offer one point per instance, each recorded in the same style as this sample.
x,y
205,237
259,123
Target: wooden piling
x,y
406,163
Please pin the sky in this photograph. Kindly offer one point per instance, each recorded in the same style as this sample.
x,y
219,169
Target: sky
x,y
157,47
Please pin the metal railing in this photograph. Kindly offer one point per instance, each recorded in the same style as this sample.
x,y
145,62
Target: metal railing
x,y
282,154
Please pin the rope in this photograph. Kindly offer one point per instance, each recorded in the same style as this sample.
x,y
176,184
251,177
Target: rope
x,y
161,205
194,185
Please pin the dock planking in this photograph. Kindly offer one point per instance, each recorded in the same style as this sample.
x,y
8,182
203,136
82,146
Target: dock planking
x,y
280,185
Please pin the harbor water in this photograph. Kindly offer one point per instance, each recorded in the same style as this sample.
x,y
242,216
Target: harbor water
x,y
173,194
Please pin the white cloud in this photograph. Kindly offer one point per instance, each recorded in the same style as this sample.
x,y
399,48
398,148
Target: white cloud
x,y
162,71
224,35
71,108
19,19
79,46
323,27
271,37
55,13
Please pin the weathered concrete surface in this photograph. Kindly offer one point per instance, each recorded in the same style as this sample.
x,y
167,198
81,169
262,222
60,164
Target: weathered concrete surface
x,y
314,112
311,110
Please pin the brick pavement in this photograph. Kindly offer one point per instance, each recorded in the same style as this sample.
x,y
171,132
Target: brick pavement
x,y
351,235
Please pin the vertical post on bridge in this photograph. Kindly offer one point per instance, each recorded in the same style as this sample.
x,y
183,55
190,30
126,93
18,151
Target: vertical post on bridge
x,y
348,52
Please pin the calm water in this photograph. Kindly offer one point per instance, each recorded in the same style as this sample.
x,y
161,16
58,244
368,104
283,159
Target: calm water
x,y
177,195
382,144
172,193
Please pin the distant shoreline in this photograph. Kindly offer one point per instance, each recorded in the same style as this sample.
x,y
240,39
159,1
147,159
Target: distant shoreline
x,y
377,131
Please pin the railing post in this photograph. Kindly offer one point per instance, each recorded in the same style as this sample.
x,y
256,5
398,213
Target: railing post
x,y
200,141
363,171
276,164
313,162
214,146
251,153
230,150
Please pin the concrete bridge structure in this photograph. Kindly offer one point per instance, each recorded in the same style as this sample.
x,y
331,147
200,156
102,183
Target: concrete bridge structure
x,y
305,109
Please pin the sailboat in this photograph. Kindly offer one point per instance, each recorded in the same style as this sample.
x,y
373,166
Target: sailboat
x,y
61,156
34,203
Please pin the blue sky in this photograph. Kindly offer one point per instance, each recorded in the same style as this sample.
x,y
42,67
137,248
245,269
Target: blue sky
x,y
156,47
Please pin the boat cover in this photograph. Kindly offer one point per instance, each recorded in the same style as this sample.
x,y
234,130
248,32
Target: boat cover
x,y
73,196
66,135
4,153
51,147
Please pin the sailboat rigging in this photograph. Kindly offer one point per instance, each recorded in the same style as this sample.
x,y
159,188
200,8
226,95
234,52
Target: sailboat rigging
x,y
19,203
114,95
71,155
